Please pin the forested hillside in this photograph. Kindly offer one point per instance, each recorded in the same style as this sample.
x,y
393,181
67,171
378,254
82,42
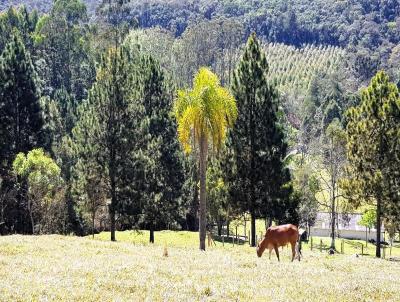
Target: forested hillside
x,y
154,114
369,30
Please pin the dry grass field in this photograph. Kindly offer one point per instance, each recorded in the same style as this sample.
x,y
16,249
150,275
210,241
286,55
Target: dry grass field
x,y
57,268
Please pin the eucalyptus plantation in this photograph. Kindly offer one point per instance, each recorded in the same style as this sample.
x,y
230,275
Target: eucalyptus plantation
x,y
258,174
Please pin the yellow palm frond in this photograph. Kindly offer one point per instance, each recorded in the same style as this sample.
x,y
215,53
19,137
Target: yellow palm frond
x,y
208,109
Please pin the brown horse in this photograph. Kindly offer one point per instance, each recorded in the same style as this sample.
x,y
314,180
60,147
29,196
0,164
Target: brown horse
x,y
277,236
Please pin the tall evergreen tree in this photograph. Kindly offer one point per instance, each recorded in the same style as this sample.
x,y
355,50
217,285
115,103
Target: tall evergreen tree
x,y
164,170
259,175
116,21
20,119
111,128
17,20
373,150
20,113
60,116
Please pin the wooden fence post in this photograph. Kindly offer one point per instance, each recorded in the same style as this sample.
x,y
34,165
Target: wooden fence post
x,y
383,251
362,249
249,239
320,246
223,240
311,243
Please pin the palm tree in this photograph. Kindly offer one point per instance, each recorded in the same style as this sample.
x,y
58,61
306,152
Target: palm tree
x,y
204,114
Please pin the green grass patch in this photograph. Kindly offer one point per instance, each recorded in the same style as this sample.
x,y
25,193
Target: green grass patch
x,y
351,246
162,238
190,240
57,268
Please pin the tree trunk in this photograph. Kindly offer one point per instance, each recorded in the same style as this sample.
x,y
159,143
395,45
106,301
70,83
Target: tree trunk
x,y
112,211
203,193
219,226
378,228
31,215
366,236
113,195
245,227
151,234
112,223
93,217
253,230
333,223
227,228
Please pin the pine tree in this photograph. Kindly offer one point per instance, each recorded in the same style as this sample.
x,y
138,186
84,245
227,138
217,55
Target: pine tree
x,y
17,20
111,129
60,116
164,170
116,20
258,176
20,116
373,140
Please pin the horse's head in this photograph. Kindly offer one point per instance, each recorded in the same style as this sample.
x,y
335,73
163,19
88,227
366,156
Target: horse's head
x,y
260,247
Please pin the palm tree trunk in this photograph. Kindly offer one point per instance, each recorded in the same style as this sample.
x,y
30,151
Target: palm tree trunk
x,y
203,193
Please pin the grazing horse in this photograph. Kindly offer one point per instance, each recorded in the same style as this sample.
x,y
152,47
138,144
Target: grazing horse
x,y
277,236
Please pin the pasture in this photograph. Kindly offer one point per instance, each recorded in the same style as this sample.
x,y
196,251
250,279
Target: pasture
x,y
191,239
58,268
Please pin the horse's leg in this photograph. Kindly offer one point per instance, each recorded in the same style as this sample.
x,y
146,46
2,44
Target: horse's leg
x,y
293,250
298,249
276,251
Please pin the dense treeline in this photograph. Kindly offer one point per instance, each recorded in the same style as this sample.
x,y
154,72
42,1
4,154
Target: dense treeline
x,y
95,100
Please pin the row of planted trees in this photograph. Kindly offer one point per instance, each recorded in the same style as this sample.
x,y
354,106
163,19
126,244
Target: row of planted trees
x,y
124,135
119,146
